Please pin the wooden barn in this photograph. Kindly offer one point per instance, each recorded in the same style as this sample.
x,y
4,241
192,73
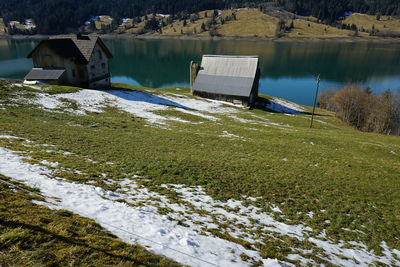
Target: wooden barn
x,y
79,60
228,78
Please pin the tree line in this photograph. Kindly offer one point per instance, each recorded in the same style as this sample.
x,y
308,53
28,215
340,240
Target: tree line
x,y
60,16
331,10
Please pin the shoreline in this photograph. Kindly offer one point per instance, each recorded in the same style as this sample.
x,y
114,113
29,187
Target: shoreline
x,y
249,38
217,38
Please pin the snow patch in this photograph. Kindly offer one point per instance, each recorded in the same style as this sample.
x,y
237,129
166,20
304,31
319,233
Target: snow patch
x,y
123,220
49,163
230,135
138,103
3,136
241,217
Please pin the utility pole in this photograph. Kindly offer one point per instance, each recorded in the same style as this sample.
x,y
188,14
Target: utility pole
x,y
190,78
315,100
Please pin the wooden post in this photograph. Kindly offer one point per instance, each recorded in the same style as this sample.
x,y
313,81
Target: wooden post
x,y
315,100
190,73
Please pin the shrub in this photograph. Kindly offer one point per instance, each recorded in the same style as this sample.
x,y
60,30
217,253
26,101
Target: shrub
x,y
152,25
280,28
364,110
396,127
382,114
351,105
324,100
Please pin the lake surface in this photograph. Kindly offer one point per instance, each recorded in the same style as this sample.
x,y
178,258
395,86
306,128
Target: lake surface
x,y
288,69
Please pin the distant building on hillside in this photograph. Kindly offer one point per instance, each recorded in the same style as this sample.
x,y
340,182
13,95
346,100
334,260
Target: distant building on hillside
x,y
77,60
16,27
228,78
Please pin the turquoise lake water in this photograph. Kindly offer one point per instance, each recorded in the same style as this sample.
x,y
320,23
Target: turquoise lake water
x,y
288,69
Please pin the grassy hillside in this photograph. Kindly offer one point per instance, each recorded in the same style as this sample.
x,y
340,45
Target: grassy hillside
x,y
254,23
2,27
249,23
313,192
367,22
304,28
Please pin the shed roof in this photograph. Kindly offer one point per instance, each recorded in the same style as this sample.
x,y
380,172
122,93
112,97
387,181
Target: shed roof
x,y
44,74
79,47
228,75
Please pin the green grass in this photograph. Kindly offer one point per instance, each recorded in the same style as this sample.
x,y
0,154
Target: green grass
x,y
33,235
342,175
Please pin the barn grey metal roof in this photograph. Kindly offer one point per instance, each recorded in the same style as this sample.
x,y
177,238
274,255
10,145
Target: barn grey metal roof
x,y
75,46
44,74
227,75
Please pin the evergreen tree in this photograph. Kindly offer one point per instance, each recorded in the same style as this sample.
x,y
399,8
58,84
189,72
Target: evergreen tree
x,y
152,25
203,27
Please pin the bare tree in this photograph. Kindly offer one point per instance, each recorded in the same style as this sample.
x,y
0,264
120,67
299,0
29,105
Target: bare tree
x,y
364,110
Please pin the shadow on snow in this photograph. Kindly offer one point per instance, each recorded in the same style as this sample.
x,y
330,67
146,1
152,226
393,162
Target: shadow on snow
x,y
271,106
132,95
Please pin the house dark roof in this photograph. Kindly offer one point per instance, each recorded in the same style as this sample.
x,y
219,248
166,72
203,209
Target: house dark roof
x,y
227,75
79,47
44,74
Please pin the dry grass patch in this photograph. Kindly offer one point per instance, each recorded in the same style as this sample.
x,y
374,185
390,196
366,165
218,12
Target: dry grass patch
x,y
191,28
249,23
137,27
385,23
303,28
3,29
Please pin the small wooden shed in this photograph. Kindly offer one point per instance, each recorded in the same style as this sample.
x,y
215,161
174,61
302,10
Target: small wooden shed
x,y
228,78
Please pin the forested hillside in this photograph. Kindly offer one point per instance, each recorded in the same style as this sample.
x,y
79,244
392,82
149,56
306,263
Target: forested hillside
x,y
333,9
58,16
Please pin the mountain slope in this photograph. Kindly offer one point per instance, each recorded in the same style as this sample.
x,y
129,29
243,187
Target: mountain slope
x,y
60,16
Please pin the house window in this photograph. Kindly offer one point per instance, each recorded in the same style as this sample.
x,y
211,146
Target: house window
x,y
92,67
100,55
73,73
104,66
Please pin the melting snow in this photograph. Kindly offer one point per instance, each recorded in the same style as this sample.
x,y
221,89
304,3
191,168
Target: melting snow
x,y
138,103
3,136
102,206
143,104
122,220
48,163
230,135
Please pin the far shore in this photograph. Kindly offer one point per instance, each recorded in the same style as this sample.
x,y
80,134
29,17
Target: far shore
x,y
250,38
205,38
